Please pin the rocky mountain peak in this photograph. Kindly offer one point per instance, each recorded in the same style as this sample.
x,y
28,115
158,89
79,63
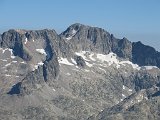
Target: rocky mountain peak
x,y
81,73
86,38
94,39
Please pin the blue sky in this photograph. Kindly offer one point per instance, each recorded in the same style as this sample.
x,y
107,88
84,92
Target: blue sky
x,y
138,20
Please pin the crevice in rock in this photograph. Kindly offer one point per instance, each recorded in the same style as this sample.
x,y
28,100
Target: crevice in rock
x,y
48,49
44,73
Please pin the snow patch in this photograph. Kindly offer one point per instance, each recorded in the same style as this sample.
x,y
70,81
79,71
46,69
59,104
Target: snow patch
x,y
150,67
7,75
73,61
74,31
82,54
71,35
131,101
124,87
88,64
135,66
91,57
145,98
75,69
14,61
3,50
101,69
139,100
86,70
7,64
68,38
10,50
40,63
64,61
41,51
23,62
110,58
68,74
53,89
26,40
3,60
34,67
123,96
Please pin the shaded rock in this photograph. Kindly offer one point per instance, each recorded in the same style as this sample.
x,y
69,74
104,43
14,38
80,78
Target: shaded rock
x,y
80,61
15,89
13,40
145,55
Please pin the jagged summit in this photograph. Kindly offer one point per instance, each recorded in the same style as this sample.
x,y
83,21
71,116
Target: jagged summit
x,y
87,38
79,37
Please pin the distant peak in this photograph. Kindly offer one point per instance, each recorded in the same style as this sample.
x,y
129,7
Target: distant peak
x,y
23,31
79,24
20,30
76,26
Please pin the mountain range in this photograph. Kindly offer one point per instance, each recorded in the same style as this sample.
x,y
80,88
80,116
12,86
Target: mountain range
x,y
83,73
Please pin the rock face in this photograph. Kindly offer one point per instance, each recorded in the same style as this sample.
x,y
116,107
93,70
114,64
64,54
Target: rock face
x,y
145,55
13,40
83,73
80,61
37,49
86,38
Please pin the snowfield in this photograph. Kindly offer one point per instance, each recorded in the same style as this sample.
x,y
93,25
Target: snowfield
x,y
41,51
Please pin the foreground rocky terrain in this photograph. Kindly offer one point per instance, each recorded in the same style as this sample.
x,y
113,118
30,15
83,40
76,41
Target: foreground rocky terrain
x,y
84,73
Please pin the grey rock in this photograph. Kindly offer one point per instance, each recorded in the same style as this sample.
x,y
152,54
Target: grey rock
x,y
34,85
95,39
80,61
32,81
138,111
13,40
145,55
122,47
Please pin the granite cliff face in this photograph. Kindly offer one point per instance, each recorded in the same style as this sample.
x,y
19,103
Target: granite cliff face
x,y
83,73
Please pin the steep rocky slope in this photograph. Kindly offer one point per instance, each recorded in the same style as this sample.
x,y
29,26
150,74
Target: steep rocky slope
x,y
83,73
